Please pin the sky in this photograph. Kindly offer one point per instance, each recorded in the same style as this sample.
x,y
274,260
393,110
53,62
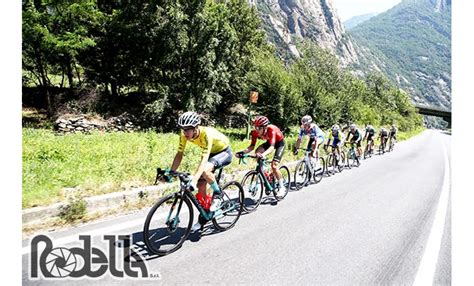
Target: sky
x,y
347,9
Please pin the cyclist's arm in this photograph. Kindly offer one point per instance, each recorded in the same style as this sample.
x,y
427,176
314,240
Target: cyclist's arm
x,y
252,143
300,138
177,161
298,143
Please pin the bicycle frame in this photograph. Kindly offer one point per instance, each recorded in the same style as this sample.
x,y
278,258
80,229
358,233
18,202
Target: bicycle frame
x,y
306,159
184,191
352,151
259,169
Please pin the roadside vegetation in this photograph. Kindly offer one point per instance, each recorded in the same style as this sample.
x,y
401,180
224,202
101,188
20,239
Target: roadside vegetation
x,y
98,163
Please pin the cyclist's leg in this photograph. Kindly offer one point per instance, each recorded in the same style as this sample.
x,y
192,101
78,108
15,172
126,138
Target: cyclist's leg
x,y
319,140
338,143
216,161
359,147
262,147
279,148
312,146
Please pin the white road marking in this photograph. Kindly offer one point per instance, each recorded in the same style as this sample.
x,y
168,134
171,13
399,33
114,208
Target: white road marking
x,y
427,268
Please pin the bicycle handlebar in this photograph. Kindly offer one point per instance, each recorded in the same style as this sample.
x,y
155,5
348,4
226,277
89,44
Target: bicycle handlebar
x,y
244,156
168,174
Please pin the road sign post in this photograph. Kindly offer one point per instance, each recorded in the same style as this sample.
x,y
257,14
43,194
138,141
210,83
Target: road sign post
x,y
253,98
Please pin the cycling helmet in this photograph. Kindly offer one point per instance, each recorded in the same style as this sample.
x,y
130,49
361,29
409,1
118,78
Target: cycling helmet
x,y
335,127
261,121
352,126
306,119
189,119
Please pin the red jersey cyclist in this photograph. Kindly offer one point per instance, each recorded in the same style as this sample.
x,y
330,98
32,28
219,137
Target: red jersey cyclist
x,y
275,142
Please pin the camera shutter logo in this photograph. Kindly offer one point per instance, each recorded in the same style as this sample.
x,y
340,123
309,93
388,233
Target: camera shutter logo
x,y
60,262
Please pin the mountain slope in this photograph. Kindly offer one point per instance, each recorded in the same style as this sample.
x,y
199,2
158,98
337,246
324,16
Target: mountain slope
x,y
356,20
287,21
411,44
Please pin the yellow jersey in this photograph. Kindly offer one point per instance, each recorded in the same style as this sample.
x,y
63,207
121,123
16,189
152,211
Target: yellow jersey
x,y
209,139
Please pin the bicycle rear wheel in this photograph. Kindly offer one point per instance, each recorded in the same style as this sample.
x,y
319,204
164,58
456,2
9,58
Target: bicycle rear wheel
x,y
278,192
319,171
324,166
342,162
168,224
301,175
231,206
253,190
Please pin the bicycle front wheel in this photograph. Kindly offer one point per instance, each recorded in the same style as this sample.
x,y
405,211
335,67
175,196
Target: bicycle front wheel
x,y
301,175
280,193
168,224
231,206
253,190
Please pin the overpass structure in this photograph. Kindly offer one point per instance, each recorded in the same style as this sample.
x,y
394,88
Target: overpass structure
x,y
435,111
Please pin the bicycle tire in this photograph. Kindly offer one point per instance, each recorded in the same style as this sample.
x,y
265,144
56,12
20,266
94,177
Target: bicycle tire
x,y
231,207
343,160
323,165
253,191
301,171
332,164
281,194
318,173
154,240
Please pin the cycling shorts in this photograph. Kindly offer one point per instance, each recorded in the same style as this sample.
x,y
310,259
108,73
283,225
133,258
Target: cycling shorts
x,y
221,159
279,148
336,142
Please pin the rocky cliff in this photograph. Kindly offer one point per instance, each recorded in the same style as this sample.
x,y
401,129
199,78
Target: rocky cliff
x,y
288,21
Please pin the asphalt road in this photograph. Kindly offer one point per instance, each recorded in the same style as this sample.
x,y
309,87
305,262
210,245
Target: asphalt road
x,y
366,226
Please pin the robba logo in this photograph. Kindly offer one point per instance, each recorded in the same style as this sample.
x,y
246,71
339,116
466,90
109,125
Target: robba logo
x,y
61,262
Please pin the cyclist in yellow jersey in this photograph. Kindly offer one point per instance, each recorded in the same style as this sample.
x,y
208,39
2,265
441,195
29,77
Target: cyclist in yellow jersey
x,y
216,153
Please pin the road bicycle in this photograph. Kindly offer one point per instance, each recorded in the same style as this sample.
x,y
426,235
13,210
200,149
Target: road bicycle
x,y
383,143
306,170
391,144
369,149
169,221
333,162
255,182
352,157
